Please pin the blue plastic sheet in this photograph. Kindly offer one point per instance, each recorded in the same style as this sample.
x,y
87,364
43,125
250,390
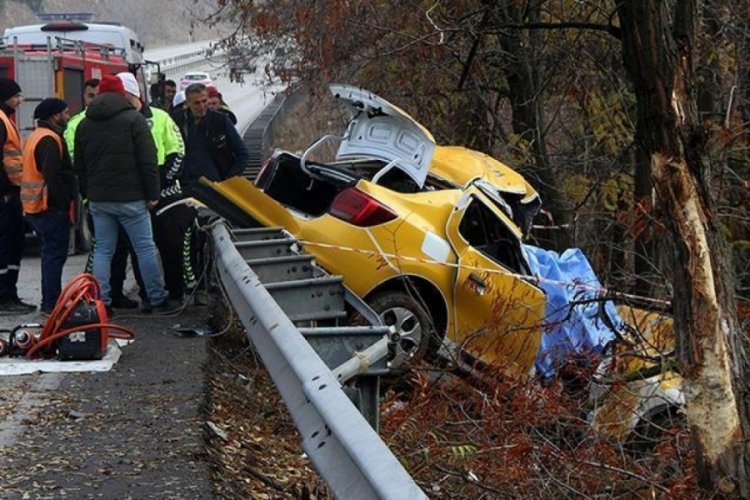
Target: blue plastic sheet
x,y
566,279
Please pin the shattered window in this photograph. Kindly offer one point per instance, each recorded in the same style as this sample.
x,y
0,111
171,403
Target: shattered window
x,y
489,235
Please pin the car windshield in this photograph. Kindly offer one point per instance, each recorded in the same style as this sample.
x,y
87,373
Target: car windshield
x,y
196,77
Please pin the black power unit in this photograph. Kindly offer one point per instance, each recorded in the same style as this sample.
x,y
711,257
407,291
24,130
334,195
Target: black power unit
x,y
85,344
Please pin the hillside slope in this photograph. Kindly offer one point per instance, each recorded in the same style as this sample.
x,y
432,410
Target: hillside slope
x,y
157,23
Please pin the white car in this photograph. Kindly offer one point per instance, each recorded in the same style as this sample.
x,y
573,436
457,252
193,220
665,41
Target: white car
x,y
195,77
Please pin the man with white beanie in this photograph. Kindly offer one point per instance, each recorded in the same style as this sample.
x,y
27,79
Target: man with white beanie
x,y
173,221
178,101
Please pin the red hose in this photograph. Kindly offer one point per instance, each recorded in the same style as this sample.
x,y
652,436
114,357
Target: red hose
x,y
83,287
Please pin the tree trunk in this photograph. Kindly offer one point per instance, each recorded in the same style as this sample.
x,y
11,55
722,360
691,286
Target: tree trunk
x,y
527,102
710,344
645,249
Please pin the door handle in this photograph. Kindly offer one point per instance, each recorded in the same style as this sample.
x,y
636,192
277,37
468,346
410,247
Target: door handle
x,y
477,284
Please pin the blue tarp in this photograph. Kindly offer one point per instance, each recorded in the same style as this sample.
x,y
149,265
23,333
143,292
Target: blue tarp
x,y
567,331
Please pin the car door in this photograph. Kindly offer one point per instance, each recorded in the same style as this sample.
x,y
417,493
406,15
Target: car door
x,y
498,311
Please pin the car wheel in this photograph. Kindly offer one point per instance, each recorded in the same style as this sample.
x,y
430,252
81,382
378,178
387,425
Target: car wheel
x,y
413,324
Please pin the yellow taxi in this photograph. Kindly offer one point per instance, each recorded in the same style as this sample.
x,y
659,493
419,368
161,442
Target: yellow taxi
x,y
430,236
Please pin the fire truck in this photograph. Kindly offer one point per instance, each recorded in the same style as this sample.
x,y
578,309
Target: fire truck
x,y
54,60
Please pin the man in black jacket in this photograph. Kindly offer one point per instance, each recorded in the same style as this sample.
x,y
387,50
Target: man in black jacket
x,y
48,186
213,147
116,163
11,213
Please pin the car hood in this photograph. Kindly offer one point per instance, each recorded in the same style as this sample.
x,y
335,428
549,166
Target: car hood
x,y
462,166
381,130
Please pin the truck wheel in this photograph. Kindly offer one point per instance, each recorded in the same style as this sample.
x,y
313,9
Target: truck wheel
x,y
413,324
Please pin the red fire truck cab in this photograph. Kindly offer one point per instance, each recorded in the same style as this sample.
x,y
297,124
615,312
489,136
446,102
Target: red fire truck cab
x,y
58,68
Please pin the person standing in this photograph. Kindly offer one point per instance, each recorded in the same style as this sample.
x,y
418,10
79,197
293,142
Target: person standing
x,y
216,103
170,221
11,213
170,90
213,147
116,164
119,268
90,90
178,103
48,187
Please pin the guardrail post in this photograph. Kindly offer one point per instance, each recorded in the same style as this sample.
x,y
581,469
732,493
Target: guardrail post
x,y
345,450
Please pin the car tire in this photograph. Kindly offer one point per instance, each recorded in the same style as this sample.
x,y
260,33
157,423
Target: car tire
x,y
417,334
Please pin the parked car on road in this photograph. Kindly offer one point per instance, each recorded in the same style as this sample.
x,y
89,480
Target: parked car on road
x,y
195,77
432,238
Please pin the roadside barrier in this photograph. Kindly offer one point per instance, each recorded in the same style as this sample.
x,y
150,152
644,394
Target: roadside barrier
x,y
343,447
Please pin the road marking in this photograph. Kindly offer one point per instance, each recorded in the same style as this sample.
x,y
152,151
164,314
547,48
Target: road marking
x,y
14,426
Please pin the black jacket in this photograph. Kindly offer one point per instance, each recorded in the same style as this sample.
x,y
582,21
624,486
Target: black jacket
x,y
213,147
56,169
115,154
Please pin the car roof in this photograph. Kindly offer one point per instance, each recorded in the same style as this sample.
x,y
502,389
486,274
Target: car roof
x,y
462,165
196,73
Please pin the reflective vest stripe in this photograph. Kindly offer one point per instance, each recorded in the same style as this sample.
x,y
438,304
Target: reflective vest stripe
x,y
33,186
12,156
31,191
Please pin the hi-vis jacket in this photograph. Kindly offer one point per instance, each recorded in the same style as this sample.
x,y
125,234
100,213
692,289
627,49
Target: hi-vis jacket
x,y
34,195
12,162
48,181
170,150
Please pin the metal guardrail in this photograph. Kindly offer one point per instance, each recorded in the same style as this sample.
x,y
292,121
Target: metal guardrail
x,y
256,137
346,451
177,64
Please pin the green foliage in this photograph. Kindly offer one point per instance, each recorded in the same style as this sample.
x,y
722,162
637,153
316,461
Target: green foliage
x,y
617,192
576,188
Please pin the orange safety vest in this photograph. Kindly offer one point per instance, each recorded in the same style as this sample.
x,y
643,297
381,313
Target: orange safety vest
x,y
12,161
33,187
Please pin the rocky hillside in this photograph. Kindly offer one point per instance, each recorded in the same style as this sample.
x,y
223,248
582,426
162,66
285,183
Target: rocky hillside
x,y
157,23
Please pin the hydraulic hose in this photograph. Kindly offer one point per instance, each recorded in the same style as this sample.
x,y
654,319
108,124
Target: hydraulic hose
x,y
82,288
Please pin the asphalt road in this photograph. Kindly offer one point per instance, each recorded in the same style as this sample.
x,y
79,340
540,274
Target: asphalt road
x,y
132,432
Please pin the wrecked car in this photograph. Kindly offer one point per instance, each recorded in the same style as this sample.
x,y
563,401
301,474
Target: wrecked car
x,y
432,237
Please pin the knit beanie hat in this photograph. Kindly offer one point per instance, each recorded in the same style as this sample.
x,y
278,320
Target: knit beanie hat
x,y
8,88
48,107
212,91
111,83
130,84
179,98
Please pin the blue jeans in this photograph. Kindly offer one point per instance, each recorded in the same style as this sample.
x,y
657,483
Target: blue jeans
x,y
53,230
134,217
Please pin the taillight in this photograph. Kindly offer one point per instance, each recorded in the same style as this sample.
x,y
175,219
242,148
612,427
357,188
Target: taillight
x,y
355,207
